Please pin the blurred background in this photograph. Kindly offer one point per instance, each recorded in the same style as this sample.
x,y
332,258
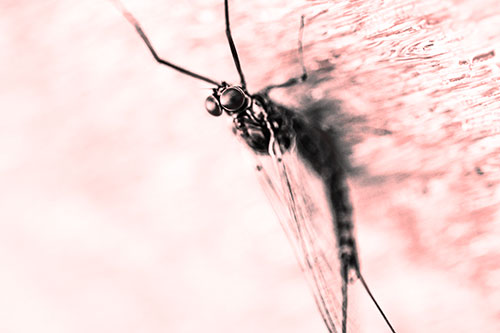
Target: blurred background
x,y
125,207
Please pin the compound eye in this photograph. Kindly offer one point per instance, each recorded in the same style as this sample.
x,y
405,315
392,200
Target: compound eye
x,y
232,99
213,106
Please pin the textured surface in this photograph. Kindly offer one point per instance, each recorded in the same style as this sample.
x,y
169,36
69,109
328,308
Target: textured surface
x,y
125,207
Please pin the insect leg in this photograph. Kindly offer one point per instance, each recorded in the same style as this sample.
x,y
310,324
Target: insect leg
x,y
301,49
374,301
141,33
236,59
303,77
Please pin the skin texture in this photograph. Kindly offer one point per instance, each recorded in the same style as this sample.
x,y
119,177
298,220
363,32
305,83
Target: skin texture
x,y
126,207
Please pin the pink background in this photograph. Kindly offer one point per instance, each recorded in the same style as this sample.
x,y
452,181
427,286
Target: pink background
x,y
124,207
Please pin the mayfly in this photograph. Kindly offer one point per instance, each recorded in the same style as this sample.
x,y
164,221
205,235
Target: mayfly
x,y
289,146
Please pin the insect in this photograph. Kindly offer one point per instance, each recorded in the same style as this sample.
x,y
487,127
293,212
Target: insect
x,y
289,148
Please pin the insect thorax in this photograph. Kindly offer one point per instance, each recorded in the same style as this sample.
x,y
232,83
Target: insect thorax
x,y
262,122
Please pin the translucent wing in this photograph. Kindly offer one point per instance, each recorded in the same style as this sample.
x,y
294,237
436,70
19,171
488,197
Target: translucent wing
x,y
299,198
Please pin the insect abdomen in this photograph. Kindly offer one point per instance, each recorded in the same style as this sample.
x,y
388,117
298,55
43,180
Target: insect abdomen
x,y
319,149
339,199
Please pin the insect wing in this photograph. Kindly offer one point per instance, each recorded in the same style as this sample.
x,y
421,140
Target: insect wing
x,y
298,197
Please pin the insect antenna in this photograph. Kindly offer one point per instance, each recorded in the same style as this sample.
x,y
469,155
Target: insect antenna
x,y
141,33
363,282
236,59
